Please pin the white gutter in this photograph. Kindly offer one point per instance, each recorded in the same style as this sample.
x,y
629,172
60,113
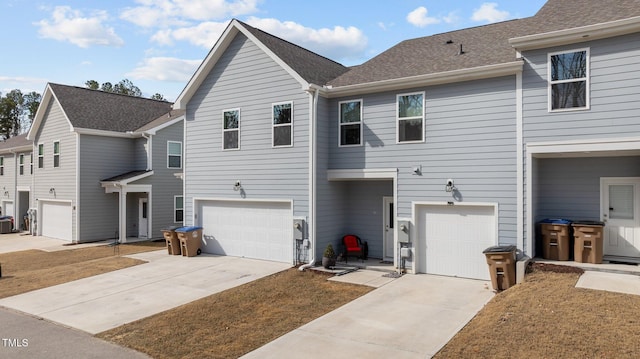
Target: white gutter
x,y
311,224
577,34
469,74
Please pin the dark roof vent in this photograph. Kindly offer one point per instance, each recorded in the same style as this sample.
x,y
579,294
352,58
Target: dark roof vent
x,y
461,51
449,42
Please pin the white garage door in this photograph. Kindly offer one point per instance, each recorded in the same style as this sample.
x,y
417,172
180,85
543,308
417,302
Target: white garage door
x,y
452,239
260,230
56,220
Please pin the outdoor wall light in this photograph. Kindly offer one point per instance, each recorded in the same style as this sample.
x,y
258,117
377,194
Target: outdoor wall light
x,y
237,186
449,187
52,190
6,193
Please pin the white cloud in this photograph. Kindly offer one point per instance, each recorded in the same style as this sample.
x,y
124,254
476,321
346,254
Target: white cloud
x,y
488,12
71,25
419,17
336,43
24,84
204,34
163,13
165,69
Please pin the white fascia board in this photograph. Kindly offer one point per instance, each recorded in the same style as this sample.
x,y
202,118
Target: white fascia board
x,y
39,117
361,174
577,34
106,184
588,145
154,130
105,133
469,74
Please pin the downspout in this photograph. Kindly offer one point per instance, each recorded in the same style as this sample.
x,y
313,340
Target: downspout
x,y
149,149
311,226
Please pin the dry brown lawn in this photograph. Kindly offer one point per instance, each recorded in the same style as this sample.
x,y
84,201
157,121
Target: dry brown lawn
x,y
547,317
239,320
29,270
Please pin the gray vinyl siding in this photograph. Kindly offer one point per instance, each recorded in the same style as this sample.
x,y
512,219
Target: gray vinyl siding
x,y
55,127
100,158
140,153
23,180
8,182
570,187
330,211
246,78
470,137
165,184
614,95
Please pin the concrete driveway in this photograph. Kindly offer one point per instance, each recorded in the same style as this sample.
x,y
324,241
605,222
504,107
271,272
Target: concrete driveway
x,y
411,317
106,301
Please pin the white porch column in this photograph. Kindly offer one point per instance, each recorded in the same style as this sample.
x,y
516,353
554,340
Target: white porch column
x,y
122,208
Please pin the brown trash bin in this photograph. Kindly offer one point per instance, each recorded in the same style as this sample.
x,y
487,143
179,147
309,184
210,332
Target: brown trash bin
x,y
588,245
173,243
556,239
502,266
190,239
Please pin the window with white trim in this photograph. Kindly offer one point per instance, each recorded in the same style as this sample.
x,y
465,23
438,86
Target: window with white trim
x,y
282,119
40,155
569,80
231,129
350,124
1,165
174,154
178,209
410,117
21,164
56,154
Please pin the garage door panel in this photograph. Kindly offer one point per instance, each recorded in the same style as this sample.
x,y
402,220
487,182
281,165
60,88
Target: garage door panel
x,y
56,220
454,237
260,230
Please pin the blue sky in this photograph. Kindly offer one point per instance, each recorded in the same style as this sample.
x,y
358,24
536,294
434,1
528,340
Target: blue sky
x,y
158,44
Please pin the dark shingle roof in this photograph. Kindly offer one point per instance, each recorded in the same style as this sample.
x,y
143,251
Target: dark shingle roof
x,y
125,176
483,45
164,118
310,66
99,110
15,142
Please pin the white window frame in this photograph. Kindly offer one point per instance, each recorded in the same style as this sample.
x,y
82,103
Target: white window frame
x,y
398,119
1,165
587,80
175,209
231,129
21,164
169,154
341,124
40,156
56,155
274,126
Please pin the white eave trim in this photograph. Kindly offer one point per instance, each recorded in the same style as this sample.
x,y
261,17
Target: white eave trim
x,y
468,74
577,34
18,149
586,145
105,133
154,130
107,184
361,174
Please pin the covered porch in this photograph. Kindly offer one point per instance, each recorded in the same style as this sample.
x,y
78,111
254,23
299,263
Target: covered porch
x,y
593,181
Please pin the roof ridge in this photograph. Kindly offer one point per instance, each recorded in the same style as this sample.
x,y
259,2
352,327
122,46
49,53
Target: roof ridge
x,y
109,93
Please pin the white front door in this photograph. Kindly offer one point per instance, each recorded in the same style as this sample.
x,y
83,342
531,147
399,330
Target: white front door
x,y
619,201
143,220
388,234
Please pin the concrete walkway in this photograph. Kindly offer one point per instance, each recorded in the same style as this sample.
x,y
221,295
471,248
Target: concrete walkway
x,y
410,317
106,301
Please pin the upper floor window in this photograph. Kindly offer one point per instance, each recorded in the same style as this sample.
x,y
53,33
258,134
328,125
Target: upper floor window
x,y
1,165
350,123
178,209
282,124
231,129
174,154
21,163
56,154
569,80
41,156
410,117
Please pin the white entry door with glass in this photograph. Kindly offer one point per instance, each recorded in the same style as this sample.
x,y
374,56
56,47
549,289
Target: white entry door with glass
x,y
619,212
